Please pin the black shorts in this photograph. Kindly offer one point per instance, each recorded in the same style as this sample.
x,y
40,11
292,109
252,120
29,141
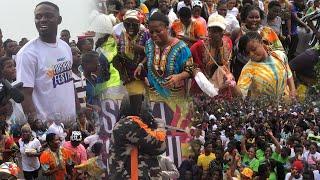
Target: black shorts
x,y
30,175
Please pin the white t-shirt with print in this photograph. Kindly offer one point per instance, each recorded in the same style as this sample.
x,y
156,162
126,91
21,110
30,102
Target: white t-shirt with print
x,y
47,69
29,163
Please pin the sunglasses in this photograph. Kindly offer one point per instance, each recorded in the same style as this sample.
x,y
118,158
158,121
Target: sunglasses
x,y
130,24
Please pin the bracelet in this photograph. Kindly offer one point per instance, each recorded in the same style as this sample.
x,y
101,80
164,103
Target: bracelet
x,y
141,65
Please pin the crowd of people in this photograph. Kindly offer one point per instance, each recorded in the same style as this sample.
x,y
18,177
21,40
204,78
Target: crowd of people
x,y
254,99
260,139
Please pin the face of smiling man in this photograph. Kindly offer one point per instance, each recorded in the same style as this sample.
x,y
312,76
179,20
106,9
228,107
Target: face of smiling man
x,y
47,19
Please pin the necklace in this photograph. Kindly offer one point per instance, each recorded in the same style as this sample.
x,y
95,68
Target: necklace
x,y
129,42
160,59
57,156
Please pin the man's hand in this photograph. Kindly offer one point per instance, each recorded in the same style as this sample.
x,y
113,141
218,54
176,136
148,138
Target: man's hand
x,y
28,106
137,72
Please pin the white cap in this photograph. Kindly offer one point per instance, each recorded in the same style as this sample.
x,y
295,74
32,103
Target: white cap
x,y
101,24
216,20
196,3
212,117
132,14
76,136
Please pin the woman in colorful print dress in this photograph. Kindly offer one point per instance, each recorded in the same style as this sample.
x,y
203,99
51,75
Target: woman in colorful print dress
x,y
266,72
168,60
216,49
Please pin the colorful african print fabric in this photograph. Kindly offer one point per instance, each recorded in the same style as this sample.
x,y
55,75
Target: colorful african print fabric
x,y
94,167
269,37
126,43
50,160
129,59
203,61
174,59
265,78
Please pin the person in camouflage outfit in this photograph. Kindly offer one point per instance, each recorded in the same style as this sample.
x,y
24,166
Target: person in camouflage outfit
x,y
136,141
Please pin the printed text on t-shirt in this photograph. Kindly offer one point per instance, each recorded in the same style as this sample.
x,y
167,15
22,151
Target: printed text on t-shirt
x,y
62,73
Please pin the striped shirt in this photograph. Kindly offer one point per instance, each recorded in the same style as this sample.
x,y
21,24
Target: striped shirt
x,y
80,85
268,77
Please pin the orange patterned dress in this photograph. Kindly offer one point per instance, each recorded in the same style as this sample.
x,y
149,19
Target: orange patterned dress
x,y
50,160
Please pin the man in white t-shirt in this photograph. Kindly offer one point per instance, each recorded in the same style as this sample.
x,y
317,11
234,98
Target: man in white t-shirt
x,y
44,65
30,151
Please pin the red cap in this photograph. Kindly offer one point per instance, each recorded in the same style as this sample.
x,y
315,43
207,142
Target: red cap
x,y
298,165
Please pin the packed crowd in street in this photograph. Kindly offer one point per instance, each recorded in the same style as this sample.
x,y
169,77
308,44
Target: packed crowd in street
x,y
236,82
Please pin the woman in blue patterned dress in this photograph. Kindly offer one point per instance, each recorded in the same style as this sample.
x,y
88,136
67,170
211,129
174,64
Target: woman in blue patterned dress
x,y
168,60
